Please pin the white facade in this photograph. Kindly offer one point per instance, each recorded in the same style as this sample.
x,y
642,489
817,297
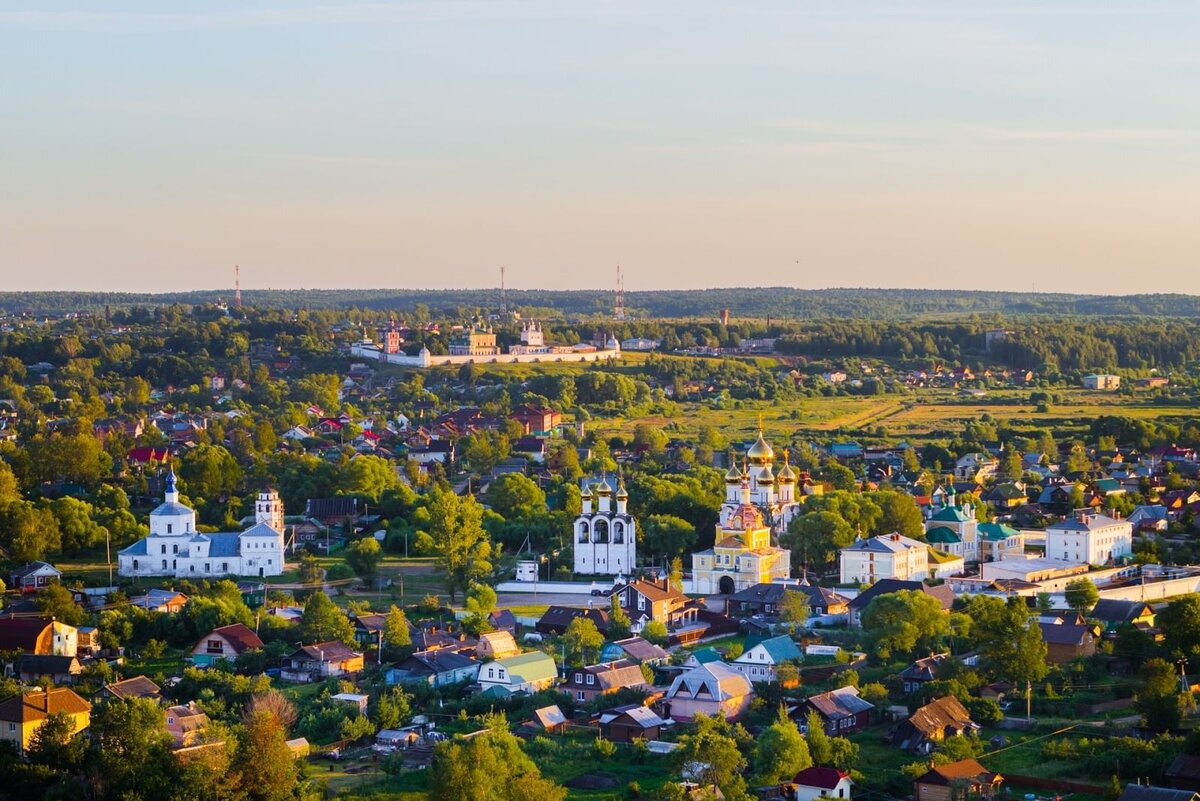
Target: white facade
x,y
891,556
774,495
175,548
605,537
1090,539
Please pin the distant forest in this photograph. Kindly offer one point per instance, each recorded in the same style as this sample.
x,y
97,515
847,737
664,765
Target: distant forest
x,y
781,303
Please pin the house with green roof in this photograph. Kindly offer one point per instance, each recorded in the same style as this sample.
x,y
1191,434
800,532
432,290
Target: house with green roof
x,y
960,520
998,539
523,673
761,661
702,656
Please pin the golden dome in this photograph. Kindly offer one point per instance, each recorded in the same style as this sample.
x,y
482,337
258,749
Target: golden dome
x,y
604,488
766,476
787,475
760,452
734,476
622,493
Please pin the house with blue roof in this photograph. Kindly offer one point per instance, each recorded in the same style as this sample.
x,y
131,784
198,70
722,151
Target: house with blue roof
x,y
176,548
761,661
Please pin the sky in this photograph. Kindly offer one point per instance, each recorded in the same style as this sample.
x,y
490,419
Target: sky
x,y
1006,145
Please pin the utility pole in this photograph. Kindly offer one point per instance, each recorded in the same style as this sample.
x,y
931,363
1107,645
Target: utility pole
x,y
619,305
503,300
237,286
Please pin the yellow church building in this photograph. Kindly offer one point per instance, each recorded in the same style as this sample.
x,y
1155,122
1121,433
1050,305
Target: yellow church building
x,y
743,554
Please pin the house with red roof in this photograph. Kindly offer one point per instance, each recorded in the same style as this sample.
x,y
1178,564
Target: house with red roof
x,y
224,643
817,782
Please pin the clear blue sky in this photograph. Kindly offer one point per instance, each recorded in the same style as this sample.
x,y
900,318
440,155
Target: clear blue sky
x,y
981,144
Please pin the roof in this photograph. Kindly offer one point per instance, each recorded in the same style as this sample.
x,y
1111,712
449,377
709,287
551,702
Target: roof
x,y
940,714
38,706
1184,766
1145,792
706,655
942,535
996,531
652,591
33,567
843,702
951,514
924,669
239,637
1085,522
780,649
326,651
549,716
533,666
1064,633
563,615
885,543
824,778
1115,610
136,687
21,633
136,549
643,716
884,586
716,679
617,675
45,664
442,660
963,769
223,545
641,649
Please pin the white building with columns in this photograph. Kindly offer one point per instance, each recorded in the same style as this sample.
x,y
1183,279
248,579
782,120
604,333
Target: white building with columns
x,y
176,548
605,535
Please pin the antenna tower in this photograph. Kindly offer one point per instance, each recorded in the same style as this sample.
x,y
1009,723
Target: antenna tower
x,y
619,307
237,286
503,300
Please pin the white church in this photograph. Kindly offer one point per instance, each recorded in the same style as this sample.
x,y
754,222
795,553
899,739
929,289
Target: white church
x,y
775,496
175,548
605,537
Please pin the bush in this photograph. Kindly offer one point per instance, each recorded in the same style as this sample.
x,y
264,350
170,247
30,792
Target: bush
x,y
603,748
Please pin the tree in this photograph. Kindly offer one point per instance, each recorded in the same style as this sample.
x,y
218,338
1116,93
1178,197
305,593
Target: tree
x,y
901,624
711,753
462,545
210,471
513,497
392,709
481,600
323,621
483,450
900,514
1011,465
274,703
490,767
266,764
655,631
368,475
666,535
56,746
582,636
1159,700
132,755
79,531
618,621
396,634
820,748
1081,594
1010,644
364,556
29,531
56,601
781,752
1180,625
793,609
815,537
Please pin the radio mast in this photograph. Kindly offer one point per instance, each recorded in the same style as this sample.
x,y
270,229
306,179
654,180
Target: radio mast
x,y
619,307
237,286
503,300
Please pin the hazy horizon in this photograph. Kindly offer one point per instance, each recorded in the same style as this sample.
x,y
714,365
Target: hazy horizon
x,y
1048,146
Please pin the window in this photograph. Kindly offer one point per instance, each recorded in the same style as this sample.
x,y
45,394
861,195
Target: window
x,y
491,673
164,564
207,568
641,602
135,564
214,647
579,695
591,679
168,528
164,548
174,549
579,678
12,727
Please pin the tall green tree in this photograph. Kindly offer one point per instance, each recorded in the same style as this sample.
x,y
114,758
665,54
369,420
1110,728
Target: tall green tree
x,y
903,624
781,751
711,753
323,621
460,541
1160,700
581,637
363,556
1081,594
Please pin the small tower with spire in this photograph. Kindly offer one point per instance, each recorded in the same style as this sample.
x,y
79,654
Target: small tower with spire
x,y
268,509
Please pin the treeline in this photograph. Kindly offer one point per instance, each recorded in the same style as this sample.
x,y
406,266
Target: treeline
x,y
779,302
1044,345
